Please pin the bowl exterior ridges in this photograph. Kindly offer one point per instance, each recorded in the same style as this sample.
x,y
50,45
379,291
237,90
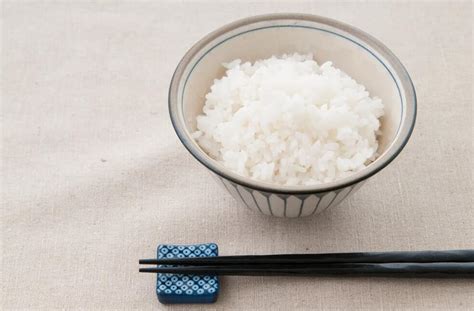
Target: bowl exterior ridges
x,y
286,205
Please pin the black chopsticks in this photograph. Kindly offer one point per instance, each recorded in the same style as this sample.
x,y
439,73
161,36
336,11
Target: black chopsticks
x,y
370,257
438,269
453,263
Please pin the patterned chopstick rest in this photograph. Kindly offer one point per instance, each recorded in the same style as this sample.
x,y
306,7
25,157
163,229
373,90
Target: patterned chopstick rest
x,y
179,288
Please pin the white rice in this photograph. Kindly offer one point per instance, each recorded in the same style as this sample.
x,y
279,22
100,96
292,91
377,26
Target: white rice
x,y
289,121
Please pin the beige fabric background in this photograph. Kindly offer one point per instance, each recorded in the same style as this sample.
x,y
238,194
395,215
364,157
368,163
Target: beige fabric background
x,y
94,177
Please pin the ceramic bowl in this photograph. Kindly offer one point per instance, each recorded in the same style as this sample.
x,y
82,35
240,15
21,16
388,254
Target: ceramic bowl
x,y
358,54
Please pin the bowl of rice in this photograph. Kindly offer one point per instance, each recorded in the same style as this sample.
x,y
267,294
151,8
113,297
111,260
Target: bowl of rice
x,y
291,113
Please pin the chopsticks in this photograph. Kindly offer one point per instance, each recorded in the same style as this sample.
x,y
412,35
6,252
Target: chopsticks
x,y
367,257
453,264
438,269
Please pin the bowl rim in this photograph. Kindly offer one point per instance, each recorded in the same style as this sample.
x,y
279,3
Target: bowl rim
x,y
404,132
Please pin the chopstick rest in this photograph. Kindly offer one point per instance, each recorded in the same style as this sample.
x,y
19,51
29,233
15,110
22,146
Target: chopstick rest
x,y
186,289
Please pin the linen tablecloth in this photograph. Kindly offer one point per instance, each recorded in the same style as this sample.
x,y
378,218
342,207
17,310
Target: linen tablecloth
x,y
94,177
